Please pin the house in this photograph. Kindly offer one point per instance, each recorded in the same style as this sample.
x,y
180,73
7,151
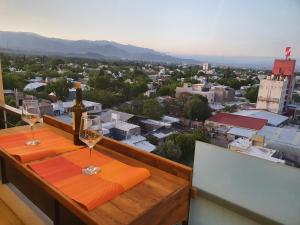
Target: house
x,y
202,89
36,86
110,115
60,107
229,120
274,119
163,133
140,142
120,130
286,140
245,146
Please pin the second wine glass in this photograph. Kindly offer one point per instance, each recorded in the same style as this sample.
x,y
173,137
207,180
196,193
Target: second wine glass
x,y
31,114
90,133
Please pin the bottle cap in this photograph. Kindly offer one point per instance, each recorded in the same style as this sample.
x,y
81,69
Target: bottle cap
x,y
77,85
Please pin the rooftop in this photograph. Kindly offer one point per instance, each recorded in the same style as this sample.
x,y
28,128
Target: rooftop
x,y
140,142
286,136
33,86
273,118
121,125
238,121
106,116
245,146
70,104
241,132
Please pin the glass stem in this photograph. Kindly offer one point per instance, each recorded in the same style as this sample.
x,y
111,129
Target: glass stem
x,y
32,132
90,149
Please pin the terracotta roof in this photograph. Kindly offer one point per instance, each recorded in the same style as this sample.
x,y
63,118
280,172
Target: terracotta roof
x,y
284,67
239,121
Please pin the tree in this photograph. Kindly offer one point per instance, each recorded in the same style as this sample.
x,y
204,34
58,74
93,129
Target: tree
x,y
296,97
201,135
153,140
14,80
231,109
168,88
186,143
152,109
107,98
99,82
137,106
9,100
60,88
196,109
251,94
169,150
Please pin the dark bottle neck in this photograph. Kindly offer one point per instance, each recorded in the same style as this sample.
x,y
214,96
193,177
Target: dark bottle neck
x,y
78,95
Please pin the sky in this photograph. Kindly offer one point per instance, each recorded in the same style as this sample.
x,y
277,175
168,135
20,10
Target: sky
x,y
183,27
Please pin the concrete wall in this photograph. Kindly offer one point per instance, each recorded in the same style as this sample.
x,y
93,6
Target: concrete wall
x,y
206,212
257,190
271,95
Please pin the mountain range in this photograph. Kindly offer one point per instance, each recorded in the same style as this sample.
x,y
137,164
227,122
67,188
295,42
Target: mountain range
x,y
34,44
31,43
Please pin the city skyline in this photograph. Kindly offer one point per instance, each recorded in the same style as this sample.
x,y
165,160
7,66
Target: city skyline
x,y
229,28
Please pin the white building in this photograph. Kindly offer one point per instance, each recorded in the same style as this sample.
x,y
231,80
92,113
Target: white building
x,y
206,66
245,146
271,95
197,89
60,107
275,92
140,142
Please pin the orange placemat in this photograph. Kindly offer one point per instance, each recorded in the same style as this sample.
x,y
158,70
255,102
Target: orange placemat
x,y
64,173
51,144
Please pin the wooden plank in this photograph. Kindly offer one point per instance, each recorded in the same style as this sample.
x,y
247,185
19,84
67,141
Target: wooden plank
x,y
7,216
2,101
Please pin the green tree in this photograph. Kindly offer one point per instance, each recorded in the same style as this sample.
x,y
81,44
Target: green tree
x,y
9,100
231,109
169,150
137,106
251,94
13,80
99,82
106,98
201,135
60,88
153,140
296,97
186,143
152,109
196,109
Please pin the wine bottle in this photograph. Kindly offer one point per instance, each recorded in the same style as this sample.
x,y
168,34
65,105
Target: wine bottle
x,y
77,110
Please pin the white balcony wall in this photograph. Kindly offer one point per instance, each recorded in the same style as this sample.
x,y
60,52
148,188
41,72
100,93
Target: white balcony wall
x,y
261,187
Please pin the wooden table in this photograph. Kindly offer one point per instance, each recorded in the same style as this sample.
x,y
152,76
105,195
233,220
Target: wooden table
x,y
161,199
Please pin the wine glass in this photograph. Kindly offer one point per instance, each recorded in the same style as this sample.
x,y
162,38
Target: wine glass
x,y
31,114
90,133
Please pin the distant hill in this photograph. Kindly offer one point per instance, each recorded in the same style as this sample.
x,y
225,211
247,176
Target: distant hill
x,y
256,62
31,43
